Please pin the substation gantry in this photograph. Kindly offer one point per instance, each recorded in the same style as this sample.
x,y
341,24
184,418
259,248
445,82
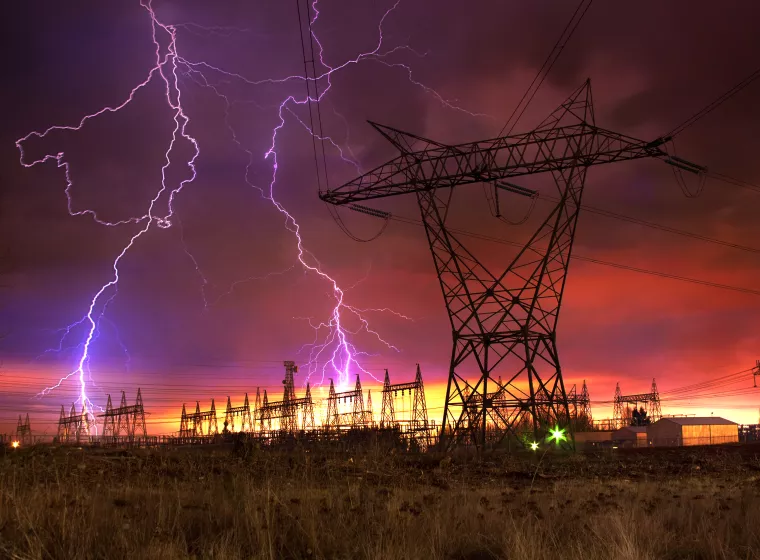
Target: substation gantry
x,y
504,321
623,415
24,430
124,422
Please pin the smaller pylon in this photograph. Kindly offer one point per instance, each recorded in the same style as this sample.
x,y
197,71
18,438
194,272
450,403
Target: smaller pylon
x,y
247,422
213,427
184,429
109,420
24,430
257,419
655,410
419,409
332,408
618,414
197,420
357,417
266,415
63,427
307,421
387,411
83,427
138,417
123,424
368,416
585,406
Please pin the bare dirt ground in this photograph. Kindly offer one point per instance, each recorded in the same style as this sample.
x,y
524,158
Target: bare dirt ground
x,y
216,502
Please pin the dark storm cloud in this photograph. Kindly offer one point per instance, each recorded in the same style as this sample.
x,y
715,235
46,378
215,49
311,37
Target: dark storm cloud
x,y
652,65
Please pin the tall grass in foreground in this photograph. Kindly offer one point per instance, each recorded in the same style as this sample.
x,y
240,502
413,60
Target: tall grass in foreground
x,y
72,504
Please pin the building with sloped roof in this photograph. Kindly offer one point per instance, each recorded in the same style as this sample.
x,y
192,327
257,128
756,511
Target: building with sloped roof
x,y
633,436
705,430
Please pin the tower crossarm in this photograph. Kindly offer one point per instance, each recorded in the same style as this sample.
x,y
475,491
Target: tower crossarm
x,y
411,386
641,397
538,151
286,408
504,320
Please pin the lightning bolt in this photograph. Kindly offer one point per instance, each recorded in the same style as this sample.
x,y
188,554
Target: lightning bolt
x,y
333,349
166,68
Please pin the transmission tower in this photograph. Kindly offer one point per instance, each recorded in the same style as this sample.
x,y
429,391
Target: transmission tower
x,y
265,414
74,428
572,405
24,430
332,421
257,411
506,320
356,418
125,421
655,411
307,420
185,429
242,412
418,428
623,415
368,416
289,421
584,403
387,411
287,410
195,422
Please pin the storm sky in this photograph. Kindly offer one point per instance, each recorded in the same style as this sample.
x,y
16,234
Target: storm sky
x,y
212,305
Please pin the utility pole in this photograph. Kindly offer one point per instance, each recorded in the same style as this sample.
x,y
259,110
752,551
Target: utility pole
x,y
503,321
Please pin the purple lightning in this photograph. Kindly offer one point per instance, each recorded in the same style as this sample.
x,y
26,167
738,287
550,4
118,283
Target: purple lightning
x,y
335,349
166,68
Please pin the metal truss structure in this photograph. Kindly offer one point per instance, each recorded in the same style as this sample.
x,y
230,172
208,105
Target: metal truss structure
x,y
504,321
286,411
74,428
242,412
623,414
418,427
24,430
125,421
356,418
369,415
580,408
192,425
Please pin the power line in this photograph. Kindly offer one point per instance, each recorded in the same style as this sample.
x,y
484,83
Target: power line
x,y
653,225
714,104
734,181
557,49
596,261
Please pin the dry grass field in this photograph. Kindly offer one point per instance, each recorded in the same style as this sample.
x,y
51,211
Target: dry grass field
x,y
71,503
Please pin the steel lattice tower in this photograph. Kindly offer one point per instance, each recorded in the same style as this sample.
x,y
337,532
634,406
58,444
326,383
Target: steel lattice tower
x,y
24,430
387,411
504,321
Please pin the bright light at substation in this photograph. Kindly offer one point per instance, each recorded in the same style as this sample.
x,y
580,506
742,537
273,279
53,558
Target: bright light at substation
x,y
558,434
15,444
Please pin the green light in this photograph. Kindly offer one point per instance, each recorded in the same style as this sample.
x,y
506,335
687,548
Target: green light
x,y
558,434
534,446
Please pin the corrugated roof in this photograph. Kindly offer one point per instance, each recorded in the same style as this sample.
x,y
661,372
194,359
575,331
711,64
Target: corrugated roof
x,y
699,421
